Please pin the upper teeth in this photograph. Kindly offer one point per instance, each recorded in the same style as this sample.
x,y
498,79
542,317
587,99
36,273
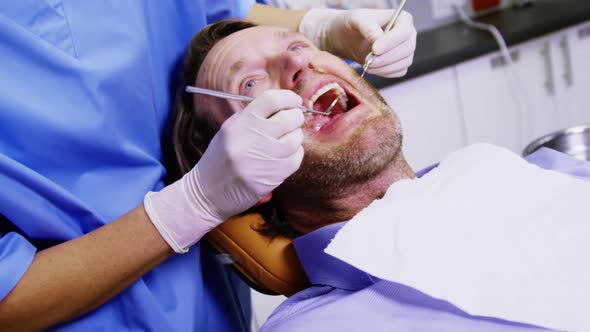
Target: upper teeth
x,y
340,93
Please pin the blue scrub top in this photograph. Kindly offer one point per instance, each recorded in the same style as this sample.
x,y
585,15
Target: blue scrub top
x,y
84,100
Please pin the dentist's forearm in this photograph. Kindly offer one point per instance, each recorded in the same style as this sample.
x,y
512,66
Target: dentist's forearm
x,y
77,276
267,15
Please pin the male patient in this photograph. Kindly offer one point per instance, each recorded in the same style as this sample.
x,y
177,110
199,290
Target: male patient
x,y
351,158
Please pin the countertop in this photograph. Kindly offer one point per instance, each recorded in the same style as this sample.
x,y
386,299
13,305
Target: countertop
x,y
455,43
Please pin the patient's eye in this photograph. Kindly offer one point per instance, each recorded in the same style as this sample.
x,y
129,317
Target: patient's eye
x,y
253,82
249,85
297,48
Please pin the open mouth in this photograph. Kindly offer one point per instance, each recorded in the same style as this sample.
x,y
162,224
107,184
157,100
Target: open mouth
x,y
321,101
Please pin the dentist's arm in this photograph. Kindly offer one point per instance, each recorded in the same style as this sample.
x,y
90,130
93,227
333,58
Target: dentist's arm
x,y
74,277
253,152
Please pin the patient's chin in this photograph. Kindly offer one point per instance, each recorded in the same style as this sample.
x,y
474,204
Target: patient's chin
x,y
330,172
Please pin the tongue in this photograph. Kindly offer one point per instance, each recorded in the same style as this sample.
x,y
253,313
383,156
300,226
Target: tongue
x,y
318,121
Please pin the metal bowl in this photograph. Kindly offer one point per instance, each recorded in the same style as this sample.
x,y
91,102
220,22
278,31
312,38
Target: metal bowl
x,y
574,141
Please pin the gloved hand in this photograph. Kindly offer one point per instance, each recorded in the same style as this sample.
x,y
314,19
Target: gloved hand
x,y
352,34
254,151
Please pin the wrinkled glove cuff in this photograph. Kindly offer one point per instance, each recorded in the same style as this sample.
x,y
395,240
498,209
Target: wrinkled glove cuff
x,y
180,218
159,224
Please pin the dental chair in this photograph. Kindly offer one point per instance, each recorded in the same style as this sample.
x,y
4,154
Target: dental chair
x,y
268,265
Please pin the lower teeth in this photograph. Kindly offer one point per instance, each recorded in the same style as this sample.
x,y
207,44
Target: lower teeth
x,y
308,119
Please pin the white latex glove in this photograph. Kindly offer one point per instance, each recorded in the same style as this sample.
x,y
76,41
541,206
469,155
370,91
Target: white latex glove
x,y
254,151
352,34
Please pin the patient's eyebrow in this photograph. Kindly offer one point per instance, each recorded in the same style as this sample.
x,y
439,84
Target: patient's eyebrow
x,y
284,34
236,67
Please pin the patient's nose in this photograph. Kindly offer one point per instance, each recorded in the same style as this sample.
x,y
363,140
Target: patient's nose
x,y
291,67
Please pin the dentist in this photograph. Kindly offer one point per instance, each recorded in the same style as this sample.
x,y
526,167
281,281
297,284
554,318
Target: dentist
x,y
84,105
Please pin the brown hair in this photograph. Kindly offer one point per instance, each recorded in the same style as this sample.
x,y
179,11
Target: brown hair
x,y
193,130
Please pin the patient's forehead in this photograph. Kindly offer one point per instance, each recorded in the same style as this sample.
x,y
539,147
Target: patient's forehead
x,y
255,38
241,47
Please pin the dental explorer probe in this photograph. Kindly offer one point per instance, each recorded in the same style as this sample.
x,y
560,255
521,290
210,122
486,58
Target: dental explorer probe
x,y
233,96
370,57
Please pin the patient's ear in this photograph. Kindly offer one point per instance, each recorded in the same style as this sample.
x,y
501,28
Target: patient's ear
x,y
264,199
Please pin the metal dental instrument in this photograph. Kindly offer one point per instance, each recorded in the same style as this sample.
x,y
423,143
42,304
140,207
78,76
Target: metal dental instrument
x,y
369,58
233,96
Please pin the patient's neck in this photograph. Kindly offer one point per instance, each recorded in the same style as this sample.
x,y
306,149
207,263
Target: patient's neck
x,y
306,216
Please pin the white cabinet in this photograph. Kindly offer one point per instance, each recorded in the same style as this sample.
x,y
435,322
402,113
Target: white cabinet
x,y
545,90
573,79
428,108
536,85
509,106
489,102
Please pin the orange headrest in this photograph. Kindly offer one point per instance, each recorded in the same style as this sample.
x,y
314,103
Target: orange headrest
x,y
271,265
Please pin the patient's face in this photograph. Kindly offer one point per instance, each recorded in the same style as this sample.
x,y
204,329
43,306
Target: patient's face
x,y
358,140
